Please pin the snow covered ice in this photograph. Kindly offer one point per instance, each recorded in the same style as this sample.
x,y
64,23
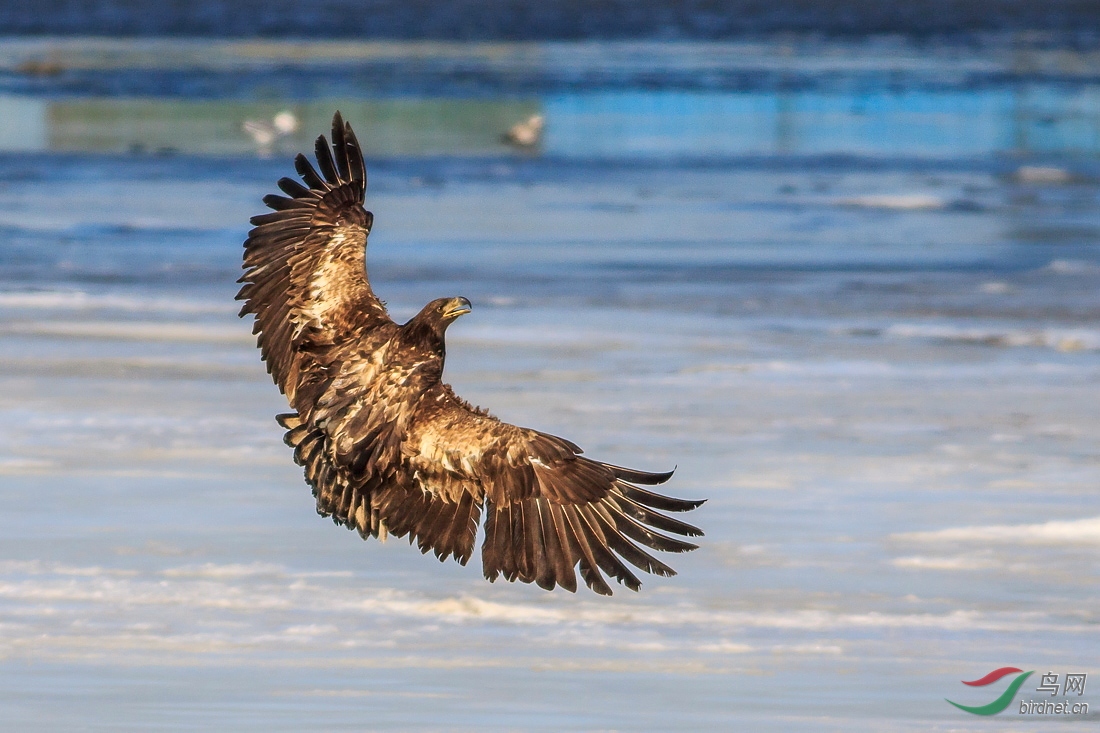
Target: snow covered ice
x,y
877,357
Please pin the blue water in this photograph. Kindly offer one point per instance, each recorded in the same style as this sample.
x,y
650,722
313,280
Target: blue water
x,y
861,321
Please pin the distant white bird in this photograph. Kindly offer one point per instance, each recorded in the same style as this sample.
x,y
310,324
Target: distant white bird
x,y
265,134
1042,174
526,134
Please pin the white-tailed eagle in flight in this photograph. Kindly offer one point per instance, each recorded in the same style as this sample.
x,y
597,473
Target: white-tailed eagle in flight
x,y
388,447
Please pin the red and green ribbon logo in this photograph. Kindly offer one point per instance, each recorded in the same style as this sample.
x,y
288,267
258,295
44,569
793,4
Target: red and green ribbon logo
x,y
1001,702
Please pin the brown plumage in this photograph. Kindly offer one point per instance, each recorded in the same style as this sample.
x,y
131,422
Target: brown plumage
x,y
388,447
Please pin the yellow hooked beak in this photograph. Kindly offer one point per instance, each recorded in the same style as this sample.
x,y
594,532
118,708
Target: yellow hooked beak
x,y
457,307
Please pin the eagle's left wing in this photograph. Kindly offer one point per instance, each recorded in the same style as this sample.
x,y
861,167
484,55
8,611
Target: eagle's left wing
x,y
305,274
548,509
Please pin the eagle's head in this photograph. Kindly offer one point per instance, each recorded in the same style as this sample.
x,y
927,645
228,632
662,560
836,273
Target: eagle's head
x,y
451,308
440,313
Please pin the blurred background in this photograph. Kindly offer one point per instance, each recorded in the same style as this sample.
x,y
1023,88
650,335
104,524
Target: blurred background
x,y
835,260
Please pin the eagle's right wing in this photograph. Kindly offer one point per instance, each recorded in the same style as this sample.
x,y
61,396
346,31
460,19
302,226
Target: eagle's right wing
x,y
547,508
305,264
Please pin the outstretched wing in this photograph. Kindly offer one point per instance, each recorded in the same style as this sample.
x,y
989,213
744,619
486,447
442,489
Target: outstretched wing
x,y
305,264
548,510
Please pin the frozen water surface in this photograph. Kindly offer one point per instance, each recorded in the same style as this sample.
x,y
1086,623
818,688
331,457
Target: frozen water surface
x,y
880,368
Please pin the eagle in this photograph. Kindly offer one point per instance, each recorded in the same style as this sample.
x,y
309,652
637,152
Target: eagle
x,y
387,447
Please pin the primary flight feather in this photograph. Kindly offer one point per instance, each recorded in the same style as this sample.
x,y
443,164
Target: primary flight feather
x,y
386,446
